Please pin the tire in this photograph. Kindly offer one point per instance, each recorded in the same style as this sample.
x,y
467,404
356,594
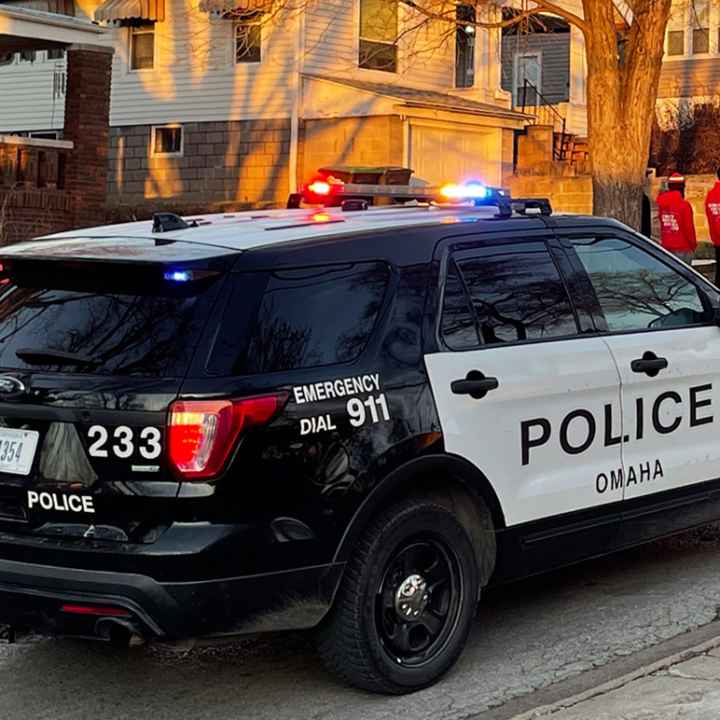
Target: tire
x,y
407,601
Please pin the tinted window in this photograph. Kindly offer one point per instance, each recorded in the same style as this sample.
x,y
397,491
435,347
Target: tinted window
x,y
458,322
292,319
517,293
636,291
102,324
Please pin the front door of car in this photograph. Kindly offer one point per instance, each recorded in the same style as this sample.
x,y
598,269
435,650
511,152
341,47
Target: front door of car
x,y
521,392
666,345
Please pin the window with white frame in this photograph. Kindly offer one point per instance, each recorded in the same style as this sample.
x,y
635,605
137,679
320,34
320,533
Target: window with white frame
x,y
142,46
56,54
378,35
700,22
248,39
167,140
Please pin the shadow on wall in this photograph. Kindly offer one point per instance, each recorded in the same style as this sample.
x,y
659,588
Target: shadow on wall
x,y
238,165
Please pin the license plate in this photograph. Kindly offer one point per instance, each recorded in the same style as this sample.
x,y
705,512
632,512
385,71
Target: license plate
x,y
17,450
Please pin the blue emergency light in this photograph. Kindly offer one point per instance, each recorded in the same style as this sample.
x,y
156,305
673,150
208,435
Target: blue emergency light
x,y
465,191
179,276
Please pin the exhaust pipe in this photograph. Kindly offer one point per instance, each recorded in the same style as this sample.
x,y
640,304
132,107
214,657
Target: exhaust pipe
x,y
119,632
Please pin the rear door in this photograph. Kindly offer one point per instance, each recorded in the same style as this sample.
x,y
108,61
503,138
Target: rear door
x,y
661,333
92,353
521,393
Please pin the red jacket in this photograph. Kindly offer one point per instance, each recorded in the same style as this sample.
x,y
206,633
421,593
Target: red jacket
x,y
677,226
712,210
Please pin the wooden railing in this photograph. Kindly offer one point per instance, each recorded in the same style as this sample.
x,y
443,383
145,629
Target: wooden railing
x,y
33,198
29,163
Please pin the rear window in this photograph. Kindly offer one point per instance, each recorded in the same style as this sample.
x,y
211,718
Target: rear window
x,y
299,318
117,321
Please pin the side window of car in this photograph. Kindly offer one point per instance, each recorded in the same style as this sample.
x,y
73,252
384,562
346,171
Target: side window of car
x,y
517,293
635,289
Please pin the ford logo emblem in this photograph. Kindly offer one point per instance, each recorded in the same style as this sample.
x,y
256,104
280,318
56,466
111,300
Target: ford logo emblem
x,y
10,385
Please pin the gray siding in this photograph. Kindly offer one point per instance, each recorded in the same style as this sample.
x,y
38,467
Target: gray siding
x,y
555,49
690,78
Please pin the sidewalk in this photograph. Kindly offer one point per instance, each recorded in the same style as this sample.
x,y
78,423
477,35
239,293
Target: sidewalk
x,y
673,689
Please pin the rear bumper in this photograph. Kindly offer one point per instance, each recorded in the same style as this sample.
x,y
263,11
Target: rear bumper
x,y
32,595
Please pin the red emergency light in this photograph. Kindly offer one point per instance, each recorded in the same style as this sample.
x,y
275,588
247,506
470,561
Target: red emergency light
x,y
321,188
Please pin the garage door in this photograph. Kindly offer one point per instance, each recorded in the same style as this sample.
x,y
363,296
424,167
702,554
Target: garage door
x,y
441,155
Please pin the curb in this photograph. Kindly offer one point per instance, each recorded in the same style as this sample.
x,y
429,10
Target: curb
x,y
664,664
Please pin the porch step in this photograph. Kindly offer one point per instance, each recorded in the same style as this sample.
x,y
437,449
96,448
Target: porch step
x,y
581,151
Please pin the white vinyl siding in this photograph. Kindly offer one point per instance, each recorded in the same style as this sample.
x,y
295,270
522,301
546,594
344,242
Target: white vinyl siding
x,y
30,89
195,77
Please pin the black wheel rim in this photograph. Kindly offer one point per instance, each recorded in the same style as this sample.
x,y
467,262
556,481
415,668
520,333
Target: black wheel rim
x,y
419,601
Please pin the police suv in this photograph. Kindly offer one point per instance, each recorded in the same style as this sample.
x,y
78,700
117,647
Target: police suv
x,y
347,419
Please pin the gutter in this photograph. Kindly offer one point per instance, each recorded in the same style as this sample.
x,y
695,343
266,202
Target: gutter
x,y
50,19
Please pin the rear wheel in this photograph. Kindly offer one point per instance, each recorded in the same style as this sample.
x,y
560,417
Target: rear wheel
x,y
407,601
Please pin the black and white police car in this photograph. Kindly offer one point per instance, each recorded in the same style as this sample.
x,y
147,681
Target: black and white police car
x,y
346,421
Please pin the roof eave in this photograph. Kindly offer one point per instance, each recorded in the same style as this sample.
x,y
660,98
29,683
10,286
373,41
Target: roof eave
x,y
500,113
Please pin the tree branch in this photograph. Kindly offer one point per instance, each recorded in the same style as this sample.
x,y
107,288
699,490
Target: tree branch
x,y
540,6
570,17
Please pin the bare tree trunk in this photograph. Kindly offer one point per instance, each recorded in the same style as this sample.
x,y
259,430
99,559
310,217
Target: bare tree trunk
x,y
621,200
622,92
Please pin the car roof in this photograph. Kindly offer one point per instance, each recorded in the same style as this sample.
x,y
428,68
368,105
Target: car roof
x,y
218,234
253,229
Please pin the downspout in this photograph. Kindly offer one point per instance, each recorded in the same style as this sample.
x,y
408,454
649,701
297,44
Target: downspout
x,y
297,90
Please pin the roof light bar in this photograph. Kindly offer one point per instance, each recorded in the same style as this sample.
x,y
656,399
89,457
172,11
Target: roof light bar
x,y
330,192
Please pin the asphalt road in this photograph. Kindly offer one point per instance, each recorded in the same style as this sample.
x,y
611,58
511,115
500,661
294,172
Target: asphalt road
x,y
528,635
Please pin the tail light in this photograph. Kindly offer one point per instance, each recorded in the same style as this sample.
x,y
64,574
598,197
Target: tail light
x,y
203,433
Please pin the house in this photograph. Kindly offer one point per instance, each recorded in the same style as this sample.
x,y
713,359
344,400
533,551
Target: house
x,y
227,103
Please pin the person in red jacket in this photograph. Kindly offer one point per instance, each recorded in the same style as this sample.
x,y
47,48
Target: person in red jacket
x,y
677,224
712,210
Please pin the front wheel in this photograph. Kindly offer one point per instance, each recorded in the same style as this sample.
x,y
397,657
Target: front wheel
x,y
407,601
